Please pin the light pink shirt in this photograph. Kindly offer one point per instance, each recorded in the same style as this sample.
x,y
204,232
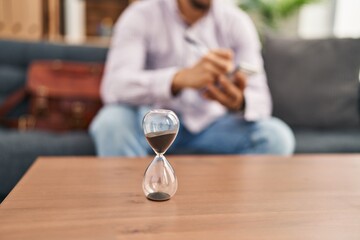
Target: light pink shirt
x,y
149,47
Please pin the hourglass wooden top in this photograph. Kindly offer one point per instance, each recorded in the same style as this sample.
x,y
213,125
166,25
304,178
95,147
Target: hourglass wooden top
x,y
219,197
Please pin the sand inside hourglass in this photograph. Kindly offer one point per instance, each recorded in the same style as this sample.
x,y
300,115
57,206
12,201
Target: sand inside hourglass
x,y
160,141
158,196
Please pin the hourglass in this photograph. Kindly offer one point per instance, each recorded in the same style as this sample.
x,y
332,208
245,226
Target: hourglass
x,y
160,128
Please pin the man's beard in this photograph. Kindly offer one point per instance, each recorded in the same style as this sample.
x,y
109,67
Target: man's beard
x,y
200,5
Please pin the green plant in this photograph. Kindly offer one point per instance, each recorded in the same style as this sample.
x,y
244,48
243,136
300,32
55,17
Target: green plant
x,y
268,13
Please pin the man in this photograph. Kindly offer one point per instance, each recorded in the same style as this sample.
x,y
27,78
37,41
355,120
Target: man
x,y
177,54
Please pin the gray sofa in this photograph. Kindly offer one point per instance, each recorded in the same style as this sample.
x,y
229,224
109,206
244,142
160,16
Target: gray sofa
x,y
315,89
314,84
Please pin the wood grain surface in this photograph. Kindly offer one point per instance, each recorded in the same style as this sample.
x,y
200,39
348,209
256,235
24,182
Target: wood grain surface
x,y
219,197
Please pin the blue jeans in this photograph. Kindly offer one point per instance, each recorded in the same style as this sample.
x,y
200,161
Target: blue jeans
x,y
117,131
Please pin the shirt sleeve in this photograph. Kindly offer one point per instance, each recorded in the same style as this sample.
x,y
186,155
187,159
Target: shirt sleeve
x,y
125,79
247,50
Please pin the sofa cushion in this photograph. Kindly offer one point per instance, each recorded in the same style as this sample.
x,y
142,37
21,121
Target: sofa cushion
x,y
21,54
321,141
13,53
314,83
11,78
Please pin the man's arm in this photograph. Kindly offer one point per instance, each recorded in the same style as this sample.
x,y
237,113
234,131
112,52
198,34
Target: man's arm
x,y
247,49
247,94
125,79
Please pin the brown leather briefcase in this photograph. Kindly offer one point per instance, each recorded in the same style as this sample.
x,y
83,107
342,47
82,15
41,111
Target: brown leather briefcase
x,y
62,96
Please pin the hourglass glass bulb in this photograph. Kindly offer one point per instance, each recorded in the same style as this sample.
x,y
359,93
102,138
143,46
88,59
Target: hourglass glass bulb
x,y
159,182
160,129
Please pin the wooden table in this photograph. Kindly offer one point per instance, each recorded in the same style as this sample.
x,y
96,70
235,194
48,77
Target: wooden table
x,y
219,197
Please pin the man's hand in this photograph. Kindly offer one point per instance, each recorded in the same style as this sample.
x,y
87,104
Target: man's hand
x,y
205,72
230,94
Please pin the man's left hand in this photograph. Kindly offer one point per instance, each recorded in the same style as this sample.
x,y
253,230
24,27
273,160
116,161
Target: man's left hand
x,y
228,93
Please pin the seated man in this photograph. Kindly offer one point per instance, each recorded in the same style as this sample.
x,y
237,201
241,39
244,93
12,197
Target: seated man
x,y
177,54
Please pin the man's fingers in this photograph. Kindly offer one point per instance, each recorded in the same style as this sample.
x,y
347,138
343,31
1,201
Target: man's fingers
x,y
220,63
227,94
224,65
240,80
228,87
215,93
235,94
213,68
224,53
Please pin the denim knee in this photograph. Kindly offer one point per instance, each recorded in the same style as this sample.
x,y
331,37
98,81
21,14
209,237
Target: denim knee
x,y
112,119
114,131
277,137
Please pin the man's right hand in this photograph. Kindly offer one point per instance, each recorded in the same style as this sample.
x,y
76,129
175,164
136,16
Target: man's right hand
x,y
214,64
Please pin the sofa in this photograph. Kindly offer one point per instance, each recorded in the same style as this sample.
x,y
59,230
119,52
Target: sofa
x,y
315,89
314,85
18,150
